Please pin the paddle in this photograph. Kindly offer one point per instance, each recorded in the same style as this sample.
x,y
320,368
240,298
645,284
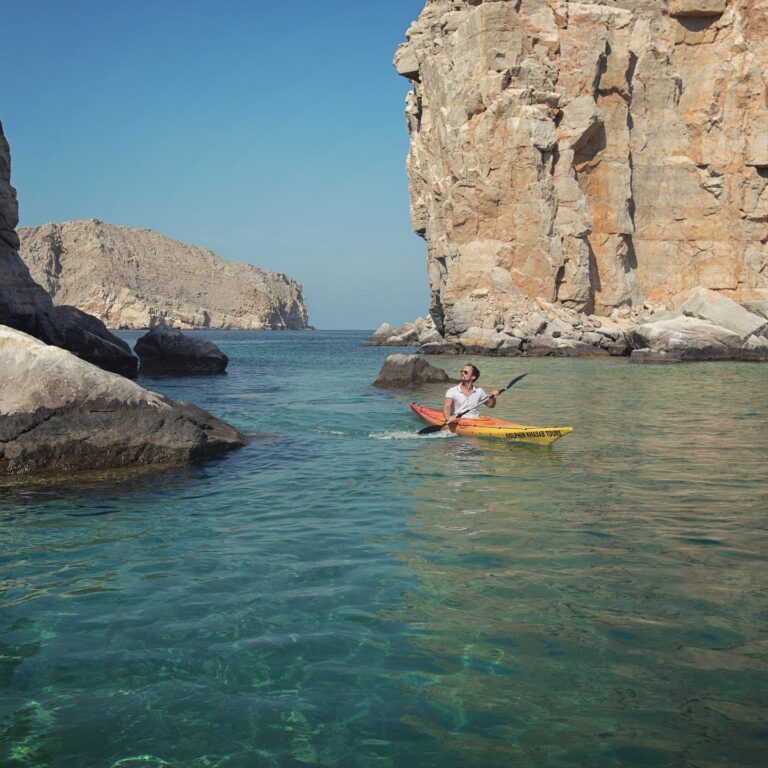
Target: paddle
x,y
437,427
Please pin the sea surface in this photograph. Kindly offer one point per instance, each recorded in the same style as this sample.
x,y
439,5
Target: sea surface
x,y
342,592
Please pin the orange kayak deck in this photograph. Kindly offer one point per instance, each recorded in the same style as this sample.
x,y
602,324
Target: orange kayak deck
x,y
488,427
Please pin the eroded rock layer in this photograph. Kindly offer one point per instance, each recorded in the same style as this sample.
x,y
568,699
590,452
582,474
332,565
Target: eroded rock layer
x,y
138,278
593,156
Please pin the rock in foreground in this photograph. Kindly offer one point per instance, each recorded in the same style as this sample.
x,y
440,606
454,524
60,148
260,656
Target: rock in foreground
x,y
59,415
405,371
168,352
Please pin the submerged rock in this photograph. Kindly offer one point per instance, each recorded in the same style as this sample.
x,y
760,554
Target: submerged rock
x,y
59,414
167,351
404,371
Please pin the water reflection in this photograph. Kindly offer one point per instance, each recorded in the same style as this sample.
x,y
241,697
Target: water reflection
x,y
593,605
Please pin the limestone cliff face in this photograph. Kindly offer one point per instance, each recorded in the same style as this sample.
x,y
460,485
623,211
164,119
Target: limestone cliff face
x,y
592,155
137,278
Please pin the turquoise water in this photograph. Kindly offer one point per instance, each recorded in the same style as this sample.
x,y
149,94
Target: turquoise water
x,y
343,593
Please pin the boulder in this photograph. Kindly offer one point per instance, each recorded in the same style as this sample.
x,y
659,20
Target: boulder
x,y
756,307
88,338
683,339
421,331
695,8
720,310
60,414
405,371
442,347
755,348
381,335
480,340
167,351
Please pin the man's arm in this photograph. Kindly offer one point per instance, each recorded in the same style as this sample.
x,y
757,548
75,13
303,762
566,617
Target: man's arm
x,y
492,395
447,409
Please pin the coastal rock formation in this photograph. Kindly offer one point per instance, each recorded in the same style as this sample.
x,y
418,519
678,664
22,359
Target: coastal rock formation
x,y
59,414
138,278
26,306
169,352
703,325
405,371
419,332
592,158
88,338
686,338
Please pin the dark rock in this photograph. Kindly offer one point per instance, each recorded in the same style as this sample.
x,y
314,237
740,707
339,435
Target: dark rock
x,y
405,371
167,351
60,414
88,338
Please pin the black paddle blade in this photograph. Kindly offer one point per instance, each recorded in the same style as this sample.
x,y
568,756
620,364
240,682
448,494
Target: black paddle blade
x,y
430,429
513,382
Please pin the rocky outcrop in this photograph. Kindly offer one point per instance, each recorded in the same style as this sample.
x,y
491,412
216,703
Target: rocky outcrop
x,y
59,414
88,338
601,159
406,371
138,278
169,352
708,326
686,338
705,325
26,306
417,333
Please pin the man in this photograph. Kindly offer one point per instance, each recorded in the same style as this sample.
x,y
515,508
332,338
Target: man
x,y
467,395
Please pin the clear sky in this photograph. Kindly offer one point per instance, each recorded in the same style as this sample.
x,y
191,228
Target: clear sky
x,y
270,132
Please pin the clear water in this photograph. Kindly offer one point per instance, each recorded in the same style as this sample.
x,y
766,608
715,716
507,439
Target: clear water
x,y
343,593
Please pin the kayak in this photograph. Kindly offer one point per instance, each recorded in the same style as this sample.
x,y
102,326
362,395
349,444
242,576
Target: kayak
x,y
487,427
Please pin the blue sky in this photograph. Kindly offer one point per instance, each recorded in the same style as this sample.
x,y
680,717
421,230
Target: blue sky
x,y
269,132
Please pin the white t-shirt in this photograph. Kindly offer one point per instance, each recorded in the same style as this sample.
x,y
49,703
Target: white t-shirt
x,y
461,402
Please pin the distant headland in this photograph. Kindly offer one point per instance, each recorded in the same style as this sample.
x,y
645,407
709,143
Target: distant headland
x,y
138,278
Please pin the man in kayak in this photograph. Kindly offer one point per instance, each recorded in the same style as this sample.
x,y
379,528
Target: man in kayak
x,y
466,394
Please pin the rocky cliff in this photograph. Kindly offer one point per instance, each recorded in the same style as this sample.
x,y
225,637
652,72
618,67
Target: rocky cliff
x,y
603,158
24,305
137,278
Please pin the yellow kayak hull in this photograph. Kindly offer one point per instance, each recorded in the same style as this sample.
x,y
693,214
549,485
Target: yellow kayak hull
x,y
496,428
